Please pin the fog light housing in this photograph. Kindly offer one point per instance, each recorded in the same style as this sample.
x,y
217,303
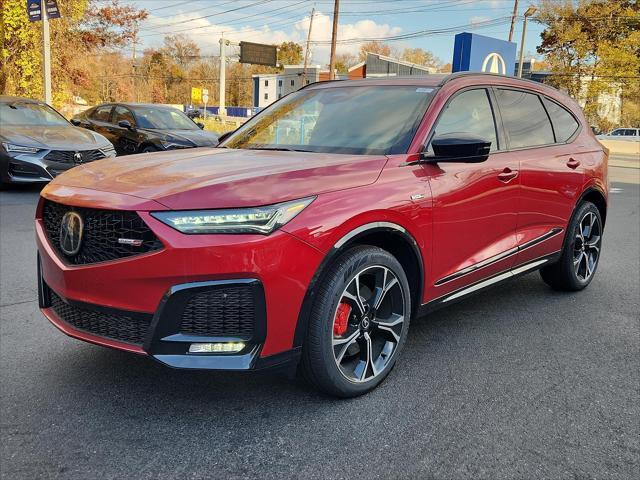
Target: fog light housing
x,y
219,347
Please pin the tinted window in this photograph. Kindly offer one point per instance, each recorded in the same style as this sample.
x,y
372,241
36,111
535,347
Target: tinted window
x,y
102,114
121,113
564,124
524,118
469,112
162,118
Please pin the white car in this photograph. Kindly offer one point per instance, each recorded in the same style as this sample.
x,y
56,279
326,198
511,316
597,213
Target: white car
x,y
632,134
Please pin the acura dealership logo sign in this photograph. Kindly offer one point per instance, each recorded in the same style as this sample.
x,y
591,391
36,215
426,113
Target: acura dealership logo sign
x,y
71,229
494,63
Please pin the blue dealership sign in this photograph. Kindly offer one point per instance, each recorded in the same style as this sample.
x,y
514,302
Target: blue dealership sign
x,y
34,10
477,53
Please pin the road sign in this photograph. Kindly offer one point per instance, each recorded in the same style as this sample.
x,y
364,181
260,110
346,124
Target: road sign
x,y
52,9
258,54
196,95
34,10
205,98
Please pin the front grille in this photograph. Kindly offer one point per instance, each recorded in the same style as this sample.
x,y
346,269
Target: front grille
x,y
223,312
102,229
120,325
69,156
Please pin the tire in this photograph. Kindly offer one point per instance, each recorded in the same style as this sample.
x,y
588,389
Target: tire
x,y
149,149
352,346
580,253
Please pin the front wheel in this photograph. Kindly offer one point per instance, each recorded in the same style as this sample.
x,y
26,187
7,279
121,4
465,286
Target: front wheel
x,y
581,251
358,324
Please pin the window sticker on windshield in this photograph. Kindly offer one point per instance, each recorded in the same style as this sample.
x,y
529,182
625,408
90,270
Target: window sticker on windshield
x,y
424,90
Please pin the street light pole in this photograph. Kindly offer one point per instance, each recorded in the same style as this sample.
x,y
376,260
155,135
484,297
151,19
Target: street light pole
x,y
222,111
46,55
530,11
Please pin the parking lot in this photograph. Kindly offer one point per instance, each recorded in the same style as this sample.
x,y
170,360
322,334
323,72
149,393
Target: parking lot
x,y
520,382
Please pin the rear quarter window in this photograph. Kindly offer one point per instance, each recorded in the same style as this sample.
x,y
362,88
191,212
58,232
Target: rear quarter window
x,y
525,120
564,123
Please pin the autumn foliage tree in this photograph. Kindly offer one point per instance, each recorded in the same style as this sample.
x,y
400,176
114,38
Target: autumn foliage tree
x,y
593,47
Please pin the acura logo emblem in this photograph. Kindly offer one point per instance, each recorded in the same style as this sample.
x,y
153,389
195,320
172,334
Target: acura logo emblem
x,y
71,229
77,157
494,63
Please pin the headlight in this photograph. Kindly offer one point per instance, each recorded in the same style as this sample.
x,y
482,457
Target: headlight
x,y
263,220
168,145
18,149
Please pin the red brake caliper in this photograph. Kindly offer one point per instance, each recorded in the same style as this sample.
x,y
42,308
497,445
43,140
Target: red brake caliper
x,y
342,319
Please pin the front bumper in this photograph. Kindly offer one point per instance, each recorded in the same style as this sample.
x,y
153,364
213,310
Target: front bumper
x,y
155,287
34,168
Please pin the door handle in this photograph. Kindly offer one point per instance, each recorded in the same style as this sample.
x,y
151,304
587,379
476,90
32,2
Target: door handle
x,y
507,175
573,163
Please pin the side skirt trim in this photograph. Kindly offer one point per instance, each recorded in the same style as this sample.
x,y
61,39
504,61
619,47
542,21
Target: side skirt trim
x,y
457,295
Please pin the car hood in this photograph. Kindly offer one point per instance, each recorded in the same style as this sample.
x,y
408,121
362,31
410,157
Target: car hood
x,y
55,138
222,178
198,138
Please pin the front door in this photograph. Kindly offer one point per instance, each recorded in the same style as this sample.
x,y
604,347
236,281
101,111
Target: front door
x,y
474,205
125,140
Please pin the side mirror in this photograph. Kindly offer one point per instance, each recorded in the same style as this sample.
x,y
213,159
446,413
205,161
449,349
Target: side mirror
x,y
459,147
125,124
75,122
201,125
224,136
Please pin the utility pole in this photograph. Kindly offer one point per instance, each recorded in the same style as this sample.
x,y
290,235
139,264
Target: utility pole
x,y
46,55
513,19
222,111
133,65
306,52
334,35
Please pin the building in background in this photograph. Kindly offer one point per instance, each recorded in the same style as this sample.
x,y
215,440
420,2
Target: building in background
x,y
269,87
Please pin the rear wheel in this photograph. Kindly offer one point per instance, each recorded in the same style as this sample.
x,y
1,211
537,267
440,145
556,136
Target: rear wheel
x,y
358,324
581,251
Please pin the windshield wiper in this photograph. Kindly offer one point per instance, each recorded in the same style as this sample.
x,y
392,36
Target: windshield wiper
x,y
279,149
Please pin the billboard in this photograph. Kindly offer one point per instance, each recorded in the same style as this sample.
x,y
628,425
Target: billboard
x,y
258,54
477,53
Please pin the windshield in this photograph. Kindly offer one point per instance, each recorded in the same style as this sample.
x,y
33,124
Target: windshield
x,y
364,120
27,113
163,119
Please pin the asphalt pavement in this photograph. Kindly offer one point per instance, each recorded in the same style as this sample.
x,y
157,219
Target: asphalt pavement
x,y
520,382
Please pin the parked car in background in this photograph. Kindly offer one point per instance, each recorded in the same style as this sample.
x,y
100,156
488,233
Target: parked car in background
x,y
632,134
143,128
37,143
195,113
314,243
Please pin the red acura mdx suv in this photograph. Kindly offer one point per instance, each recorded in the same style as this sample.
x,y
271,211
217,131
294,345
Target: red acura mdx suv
x,y
317,230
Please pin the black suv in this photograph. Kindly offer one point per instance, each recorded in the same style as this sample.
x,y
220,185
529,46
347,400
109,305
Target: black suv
x,y
141,128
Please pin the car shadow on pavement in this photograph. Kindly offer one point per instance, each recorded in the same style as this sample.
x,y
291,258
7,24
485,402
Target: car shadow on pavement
x,y
122,379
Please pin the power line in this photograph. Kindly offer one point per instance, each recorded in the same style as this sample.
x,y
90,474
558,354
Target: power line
x,y
261,14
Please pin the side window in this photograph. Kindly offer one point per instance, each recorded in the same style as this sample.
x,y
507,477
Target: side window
x,y
102,114
469,112
564,123
524,118
617,132
121,113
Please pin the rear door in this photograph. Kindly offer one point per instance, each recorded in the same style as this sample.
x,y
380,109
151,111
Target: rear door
x,y
551,168
474,204
100,120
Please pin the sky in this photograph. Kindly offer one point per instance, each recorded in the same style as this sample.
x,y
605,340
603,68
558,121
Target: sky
x,y
276,21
